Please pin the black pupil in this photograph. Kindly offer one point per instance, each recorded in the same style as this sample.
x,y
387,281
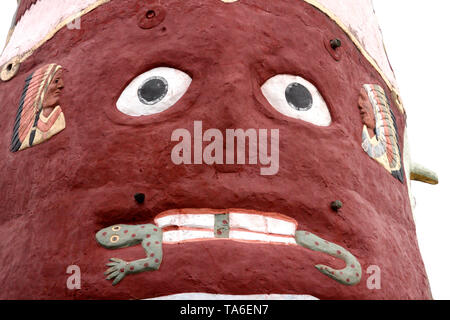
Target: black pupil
x,y
298,97
153,90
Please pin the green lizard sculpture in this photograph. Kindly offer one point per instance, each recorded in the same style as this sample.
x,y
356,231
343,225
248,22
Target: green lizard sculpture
x,y
121,236
151,238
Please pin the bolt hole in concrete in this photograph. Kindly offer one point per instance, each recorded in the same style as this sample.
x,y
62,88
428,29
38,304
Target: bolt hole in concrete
x,y
139,197
150,14
335,43
336,205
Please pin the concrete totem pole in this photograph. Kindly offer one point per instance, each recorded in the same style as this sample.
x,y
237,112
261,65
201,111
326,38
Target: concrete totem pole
x,y
248,148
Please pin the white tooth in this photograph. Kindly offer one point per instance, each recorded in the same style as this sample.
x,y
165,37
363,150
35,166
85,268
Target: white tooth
x,y
279,226
175,236
252,222
253,236
186,220
260,223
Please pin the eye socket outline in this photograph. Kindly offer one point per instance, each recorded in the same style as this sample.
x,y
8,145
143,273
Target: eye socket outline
x,y
309,85
123,104
115,228
115,240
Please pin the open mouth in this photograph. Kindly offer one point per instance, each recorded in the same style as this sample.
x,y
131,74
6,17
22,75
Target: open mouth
x,y
243,225
187,225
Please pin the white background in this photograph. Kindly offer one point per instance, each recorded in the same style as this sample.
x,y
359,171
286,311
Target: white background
x,y
418,43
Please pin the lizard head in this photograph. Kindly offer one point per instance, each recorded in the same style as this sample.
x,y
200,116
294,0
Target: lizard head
x,y
117,236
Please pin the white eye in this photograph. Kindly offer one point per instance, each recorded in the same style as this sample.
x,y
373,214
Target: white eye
x,y
153,91
297,98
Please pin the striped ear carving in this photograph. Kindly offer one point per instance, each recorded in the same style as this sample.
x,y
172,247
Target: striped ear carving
x,y
380,133
38,116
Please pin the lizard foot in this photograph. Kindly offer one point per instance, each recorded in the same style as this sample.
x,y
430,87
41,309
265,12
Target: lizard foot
x,y
117,271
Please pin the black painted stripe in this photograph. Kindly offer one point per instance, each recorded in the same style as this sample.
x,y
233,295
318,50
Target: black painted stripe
x,y
33,130
15,141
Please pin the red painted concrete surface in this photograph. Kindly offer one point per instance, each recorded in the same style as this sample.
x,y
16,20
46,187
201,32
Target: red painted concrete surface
x,y
57,195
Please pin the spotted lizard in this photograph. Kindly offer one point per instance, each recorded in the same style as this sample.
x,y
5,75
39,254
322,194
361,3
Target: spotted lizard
x,y
121,236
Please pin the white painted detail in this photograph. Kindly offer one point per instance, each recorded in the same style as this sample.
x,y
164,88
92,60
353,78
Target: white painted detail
x,y
260,223
274,90
211,296
175,236
251,222
178,83
279,226
37,22
187,220
263,237
181,235
252,227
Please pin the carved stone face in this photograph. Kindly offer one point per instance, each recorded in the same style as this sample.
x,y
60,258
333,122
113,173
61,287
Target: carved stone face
x,y
52,96
84,179
366,111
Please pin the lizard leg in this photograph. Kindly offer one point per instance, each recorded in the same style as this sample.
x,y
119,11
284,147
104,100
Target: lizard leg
x,y
152,244
147,264
153,248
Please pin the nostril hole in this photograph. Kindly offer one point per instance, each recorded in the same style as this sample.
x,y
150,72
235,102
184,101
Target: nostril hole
x,y
150,14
